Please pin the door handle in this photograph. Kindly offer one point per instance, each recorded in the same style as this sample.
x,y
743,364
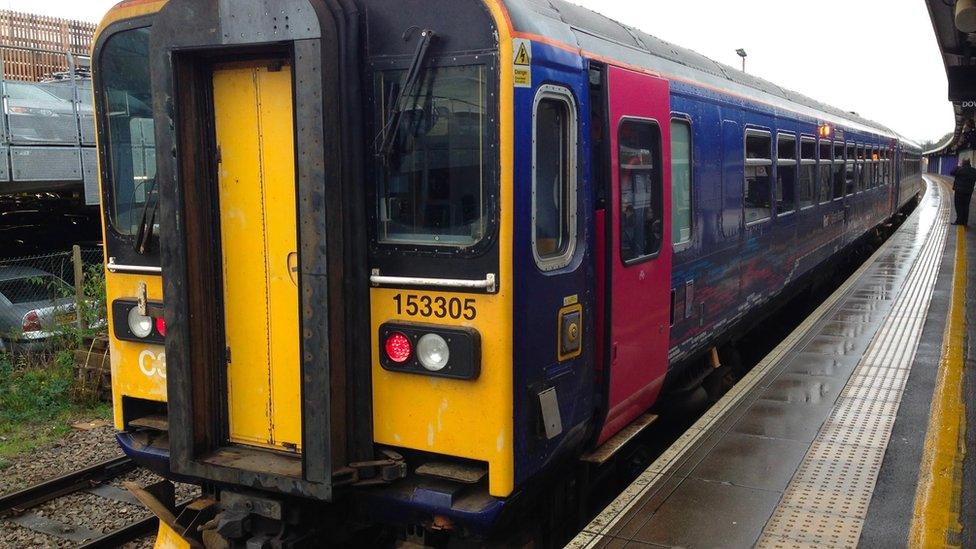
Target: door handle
x,y
292,265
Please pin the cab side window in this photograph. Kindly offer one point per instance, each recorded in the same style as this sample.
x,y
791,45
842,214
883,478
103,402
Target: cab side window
x,y
554,179
641,191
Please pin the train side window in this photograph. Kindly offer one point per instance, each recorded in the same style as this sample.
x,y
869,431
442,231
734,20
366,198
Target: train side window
x,y
887,166
838,175
863,169
850,174
786,168
872,168
875,167
808,172
757,192
882,167
641,191
554,184
825,169
681,196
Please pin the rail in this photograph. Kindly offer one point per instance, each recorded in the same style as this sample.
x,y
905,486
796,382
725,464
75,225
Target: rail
x,y
65,484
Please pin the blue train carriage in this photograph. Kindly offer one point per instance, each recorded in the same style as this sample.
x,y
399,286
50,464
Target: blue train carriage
x,y
562,218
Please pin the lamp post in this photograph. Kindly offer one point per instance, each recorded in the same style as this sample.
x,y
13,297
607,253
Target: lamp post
x,y
742,53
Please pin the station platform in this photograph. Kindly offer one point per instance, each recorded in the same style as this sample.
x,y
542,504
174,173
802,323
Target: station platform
x,y
850,433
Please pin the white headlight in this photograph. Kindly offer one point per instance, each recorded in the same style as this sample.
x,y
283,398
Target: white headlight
x,y
433,352
140,325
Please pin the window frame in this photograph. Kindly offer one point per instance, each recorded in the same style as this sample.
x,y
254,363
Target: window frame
x,y
841,161
619,208
888,164
490,166
751,162
822,163
118,246
565,95
850,163
685,119
876,166
795,163
815,196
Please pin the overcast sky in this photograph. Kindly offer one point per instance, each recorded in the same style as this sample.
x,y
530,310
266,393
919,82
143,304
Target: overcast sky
x,y
878,58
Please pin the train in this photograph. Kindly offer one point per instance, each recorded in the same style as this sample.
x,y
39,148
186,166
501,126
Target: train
x,y
399,262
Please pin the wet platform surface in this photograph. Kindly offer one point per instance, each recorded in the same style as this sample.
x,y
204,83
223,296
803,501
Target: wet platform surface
x,y
793,455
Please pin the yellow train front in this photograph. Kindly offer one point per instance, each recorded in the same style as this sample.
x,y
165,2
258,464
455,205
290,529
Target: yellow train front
x,y
308,214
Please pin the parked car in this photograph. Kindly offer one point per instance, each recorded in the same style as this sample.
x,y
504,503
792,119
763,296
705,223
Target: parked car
x,y
34,304
36,115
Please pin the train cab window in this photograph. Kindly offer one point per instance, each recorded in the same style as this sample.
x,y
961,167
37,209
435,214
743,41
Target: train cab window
x,y
786,170
641,191
554,178
838,175
850,173
808,172
128,121
433,176
825,169
680,182
757,194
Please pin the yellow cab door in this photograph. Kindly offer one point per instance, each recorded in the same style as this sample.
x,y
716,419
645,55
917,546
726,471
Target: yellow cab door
x,y
253,113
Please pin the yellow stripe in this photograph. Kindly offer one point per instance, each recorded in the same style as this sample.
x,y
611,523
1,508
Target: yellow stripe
x,y
937,499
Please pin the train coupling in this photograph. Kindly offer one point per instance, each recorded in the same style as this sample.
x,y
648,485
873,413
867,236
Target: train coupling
x,y
179,523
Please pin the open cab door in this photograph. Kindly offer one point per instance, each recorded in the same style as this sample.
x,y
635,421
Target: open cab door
x,y
248,111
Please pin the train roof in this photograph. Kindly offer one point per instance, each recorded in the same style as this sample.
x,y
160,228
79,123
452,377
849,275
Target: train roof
x,y
597,34
594,33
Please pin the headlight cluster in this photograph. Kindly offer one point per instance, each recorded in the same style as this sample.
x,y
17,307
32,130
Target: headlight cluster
x,y
432,350
131,325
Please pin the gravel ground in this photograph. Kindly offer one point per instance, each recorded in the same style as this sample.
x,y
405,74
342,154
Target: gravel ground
x,y
83,510
78,449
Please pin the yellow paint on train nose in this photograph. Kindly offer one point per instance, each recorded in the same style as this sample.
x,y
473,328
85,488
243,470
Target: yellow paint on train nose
x,y
256,177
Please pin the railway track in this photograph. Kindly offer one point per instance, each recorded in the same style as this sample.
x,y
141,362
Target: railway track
x,y
17,507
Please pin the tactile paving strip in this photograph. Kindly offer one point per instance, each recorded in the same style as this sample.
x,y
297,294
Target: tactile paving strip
x,y
827,501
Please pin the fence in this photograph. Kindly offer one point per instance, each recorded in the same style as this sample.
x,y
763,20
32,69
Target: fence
x,y
33,47
46,295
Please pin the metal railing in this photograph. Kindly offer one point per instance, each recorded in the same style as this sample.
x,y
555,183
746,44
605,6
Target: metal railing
x,y
47,130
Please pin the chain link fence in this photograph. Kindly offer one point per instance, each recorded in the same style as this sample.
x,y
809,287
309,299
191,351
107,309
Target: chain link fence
x,y
51,300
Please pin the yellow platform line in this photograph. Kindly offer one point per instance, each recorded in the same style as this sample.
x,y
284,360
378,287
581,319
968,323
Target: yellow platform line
x,y
937,499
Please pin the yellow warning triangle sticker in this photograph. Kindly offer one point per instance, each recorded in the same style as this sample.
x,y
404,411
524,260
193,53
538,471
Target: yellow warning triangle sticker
x,y
522,57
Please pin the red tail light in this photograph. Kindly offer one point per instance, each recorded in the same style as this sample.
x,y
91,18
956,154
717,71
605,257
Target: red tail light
x,y
161,326
398,347
32,322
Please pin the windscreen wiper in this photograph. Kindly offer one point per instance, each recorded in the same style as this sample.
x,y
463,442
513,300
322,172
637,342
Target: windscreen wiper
x,y
395,115
148,221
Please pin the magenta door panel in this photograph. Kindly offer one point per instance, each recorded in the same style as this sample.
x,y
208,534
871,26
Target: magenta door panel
x,y
640,288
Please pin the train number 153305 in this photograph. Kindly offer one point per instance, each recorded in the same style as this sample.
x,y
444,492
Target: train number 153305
x,y
435,307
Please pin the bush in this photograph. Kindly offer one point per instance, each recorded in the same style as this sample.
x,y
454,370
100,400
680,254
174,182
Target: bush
x,y
33,392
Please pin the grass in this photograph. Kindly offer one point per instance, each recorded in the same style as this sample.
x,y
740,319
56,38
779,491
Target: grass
x,y
39,394
39,401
